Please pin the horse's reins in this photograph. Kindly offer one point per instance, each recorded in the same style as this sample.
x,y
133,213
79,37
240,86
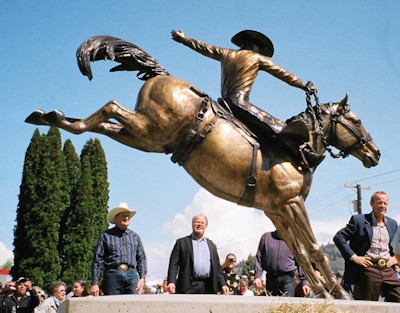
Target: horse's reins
x,y
317,112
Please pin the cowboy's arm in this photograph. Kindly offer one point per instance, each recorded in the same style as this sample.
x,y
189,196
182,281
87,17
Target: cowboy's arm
x,y
279,72
198,46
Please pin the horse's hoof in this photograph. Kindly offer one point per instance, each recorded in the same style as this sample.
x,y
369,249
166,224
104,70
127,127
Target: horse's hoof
x,y
53,117
36,118
342,295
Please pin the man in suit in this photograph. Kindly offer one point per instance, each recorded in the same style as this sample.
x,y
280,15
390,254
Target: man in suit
x,y
194,266
369,262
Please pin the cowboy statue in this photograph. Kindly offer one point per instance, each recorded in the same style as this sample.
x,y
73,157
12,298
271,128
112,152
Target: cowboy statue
x,y
239,71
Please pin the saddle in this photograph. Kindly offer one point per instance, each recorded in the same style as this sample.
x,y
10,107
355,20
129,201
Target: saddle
x,y
195,135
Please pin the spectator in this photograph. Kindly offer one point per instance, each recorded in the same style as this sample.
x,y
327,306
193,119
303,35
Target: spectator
x,y
9,289
274,257
79,289
244,291
165,285
194,266
231,278
40,293
51,304
23,300
251,280
365,246
396,250
120,251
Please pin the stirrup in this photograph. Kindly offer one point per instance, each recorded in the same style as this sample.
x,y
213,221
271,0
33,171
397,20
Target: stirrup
x,y
309,157
296,129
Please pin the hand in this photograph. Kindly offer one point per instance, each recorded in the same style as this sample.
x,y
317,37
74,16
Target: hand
x,y
28,285
140,286
310,88
391,261
362,260
171,288
178,36
306,290
225,290
95,290
257,282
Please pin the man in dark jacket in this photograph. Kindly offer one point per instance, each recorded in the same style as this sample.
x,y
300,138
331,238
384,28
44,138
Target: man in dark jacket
x,y
365,246
194,266
24,299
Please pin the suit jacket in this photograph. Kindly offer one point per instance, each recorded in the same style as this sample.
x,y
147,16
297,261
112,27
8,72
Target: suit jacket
x,y
356,238
181,271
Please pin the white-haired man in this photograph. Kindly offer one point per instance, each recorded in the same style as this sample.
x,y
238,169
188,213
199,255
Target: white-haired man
x,y
121,253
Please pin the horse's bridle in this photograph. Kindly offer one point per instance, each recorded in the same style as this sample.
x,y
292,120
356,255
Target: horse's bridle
x,y
361,140
317,112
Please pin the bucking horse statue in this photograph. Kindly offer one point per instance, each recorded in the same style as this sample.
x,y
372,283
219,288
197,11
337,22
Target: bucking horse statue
x,y
173,116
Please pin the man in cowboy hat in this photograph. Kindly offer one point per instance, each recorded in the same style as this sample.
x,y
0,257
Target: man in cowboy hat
x,y
120,251
239,71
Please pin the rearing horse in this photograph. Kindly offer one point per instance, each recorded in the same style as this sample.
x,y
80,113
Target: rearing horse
x,y
171,116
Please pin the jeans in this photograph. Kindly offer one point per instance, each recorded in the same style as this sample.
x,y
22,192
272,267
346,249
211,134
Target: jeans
x,y
116,282
281,286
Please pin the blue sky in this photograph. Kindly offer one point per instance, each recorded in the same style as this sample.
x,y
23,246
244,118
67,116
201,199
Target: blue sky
x,y
342,46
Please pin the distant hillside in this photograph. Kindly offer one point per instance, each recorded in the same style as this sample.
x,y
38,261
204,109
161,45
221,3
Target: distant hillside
x,y
336,260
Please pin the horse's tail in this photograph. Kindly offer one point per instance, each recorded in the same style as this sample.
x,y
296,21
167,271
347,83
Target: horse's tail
x,y
131,57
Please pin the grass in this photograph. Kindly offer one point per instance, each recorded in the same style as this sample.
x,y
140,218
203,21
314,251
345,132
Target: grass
x,y
304,308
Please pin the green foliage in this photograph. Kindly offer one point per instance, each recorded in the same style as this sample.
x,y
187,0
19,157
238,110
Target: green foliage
x,y
244,267
61,211
79,233
86,218
40,209
98,164
7,264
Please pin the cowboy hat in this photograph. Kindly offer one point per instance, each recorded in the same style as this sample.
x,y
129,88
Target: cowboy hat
x,y
262,41
122,207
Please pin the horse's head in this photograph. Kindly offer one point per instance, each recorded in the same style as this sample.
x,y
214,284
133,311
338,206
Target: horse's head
x,y
346,133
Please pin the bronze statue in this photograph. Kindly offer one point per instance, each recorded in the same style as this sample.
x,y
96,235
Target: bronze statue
x,y
239,69
172,116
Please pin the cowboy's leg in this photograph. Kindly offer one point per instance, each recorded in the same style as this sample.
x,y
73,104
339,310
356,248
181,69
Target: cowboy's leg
x,y
254,117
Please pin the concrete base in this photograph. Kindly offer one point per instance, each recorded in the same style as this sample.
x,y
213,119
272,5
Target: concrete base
x,y
214,304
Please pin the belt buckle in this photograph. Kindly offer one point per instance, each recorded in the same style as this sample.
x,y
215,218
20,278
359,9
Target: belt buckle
x,y
382,263
123,267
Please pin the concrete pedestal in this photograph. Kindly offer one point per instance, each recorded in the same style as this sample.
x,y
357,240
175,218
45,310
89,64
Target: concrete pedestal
x,y
212,304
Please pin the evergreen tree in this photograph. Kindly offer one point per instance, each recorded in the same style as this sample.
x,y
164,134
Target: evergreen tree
x,y
248,265
73,166
41,205
29,195
80,234
98,165
86,218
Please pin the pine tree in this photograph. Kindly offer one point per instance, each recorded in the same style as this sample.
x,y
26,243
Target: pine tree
x,y
78,239
87,215
28,196
43,195
248,265
98,165
73,166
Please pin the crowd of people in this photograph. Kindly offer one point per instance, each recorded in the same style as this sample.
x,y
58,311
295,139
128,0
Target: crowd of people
x,y
369,243
21,297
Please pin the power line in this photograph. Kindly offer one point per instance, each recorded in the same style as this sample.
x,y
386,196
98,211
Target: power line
x,y
394,171
330,205
386,182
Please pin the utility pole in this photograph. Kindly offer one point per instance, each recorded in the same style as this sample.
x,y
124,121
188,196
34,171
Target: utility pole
x,y
357,203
